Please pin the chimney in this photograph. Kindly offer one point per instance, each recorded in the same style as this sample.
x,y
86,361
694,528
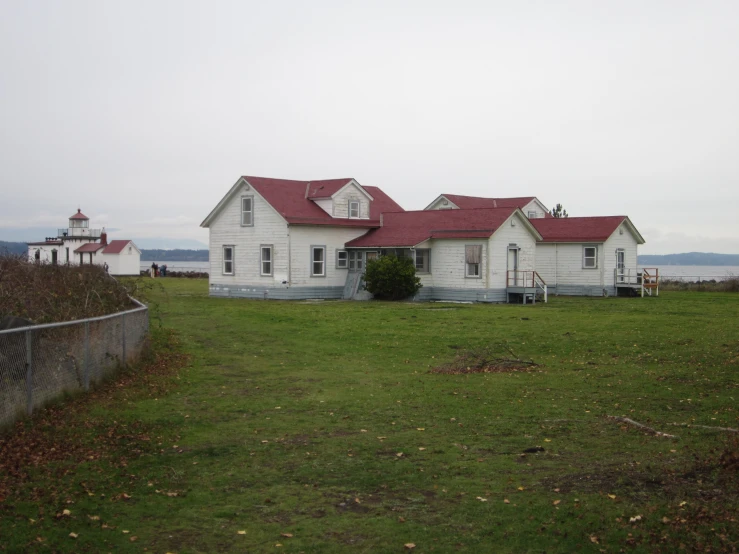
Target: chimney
x,y
104,237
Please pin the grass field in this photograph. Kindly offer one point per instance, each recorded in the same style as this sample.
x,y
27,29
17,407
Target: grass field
x,y
320,427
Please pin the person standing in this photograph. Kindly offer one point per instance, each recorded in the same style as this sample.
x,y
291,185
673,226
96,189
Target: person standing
x,y
153,269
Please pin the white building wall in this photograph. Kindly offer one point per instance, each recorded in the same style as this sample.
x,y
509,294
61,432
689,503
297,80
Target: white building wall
x,y
268,228
562,263
535,209
448,264
341,202
621,238
302,237
127,262
508,235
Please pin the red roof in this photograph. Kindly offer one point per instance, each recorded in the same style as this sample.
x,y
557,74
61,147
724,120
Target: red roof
x,y
289,199
325,188
411,228
90,247
79,215
577,229
472,202
115,246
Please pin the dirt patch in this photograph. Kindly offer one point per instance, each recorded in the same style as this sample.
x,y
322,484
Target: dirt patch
x,y
485,360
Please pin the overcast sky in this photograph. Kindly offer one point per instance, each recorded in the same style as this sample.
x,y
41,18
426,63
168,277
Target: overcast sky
x,y
144,114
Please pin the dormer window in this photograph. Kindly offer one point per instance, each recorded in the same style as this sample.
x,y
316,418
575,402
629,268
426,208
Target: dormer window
x,y
353,208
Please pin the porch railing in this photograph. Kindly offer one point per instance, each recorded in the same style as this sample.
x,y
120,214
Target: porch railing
x,y
646,279
526,279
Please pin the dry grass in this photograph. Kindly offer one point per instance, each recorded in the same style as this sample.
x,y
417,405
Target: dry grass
x,y
45,293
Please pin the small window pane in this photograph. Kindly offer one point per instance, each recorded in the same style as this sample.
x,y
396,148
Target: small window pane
x,y
354,209
342,259
318,261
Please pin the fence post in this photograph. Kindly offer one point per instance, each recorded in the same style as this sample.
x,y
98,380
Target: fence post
x,y
87,355
123,334
29,372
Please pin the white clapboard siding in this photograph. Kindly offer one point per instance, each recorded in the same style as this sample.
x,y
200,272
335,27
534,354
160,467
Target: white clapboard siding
x,y
302,237
506,236
268,228
620,239
341,202
563,264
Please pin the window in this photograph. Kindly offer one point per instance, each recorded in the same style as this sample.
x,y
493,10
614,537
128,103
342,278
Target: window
x,y
354,208
473,259
590,257
265,259
533,215
228,260
422,260
247,211
342,259
318,261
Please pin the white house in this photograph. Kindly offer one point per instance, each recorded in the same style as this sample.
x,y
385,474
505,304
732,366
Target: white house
x,y
278,238
274,238
79,244
483,255
591,256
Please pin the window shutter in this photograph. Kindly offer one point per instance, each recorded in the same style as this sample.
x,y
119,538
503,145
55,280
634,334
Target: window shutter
x,y
473,253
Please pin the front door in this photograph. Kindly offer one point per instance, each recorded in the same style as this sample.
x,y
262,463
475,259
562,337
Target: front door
x,y
620,265
513,279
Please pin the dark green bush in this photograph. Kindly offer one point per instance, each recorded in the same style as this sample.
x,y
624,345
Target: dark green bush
x,y
391,278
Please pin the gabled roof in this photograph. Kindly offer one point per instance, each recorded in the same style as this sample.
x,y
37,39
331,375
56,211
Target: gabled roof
x,y
291,200
407,229
89,247
477,202
79,215
583,229
117,246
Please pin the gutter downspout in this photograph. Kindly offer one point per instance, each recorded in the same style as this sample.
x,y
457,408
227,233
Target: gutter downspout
x,y
488,265
289,258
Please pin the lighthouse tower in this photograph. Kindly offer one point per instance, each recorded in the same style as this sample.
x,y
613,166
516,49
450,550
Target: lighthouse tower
x,y
79,229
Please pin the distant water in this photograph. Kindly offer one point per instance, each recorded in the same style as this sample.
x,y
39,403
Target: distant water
x,y
180,266
695,272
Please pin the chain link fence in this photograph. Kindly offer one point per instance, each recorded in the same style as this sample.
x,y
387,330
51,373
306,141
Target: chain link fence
x,y
40,363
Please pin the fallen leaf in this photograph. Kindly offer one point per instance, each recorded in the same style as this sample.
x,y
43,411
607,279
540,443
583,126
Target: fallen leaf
x,y
74,535
683,503
634,519
66,513
401,519
134,538
125,531
421,448
520,488
409,545
547,440
420,428
593,539
399,454
94,518
363,430
382,438
665,520
481,499
506,501
287,535
556,502
241,532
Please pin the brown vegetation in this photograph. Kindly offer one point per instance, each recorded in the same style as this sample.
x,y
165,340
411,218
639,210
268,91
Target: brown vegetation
x,y
727,285
46,293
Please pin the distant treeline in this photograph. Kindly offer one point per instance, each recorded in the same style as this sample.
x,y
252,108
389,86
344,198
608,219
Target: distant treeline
x,y
690,258
178,255
13,247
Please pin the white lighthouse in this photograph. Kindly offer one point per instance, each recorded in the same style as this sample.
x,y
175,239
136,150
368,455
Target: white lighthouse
x,y
78,244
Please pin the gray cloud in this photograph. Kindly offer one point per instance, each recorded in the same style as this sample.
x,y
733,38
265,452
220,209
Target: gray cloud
x,y
149,111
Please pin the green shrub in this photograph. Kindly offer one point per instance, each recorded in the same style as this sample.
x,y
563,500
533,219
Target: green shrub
x,y
391,278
